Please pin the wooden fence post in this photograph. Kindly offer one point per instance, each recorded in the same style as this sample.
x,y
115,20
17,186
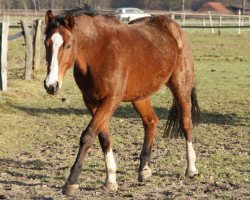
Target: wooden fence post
x,y
239,22
203,23
220,22
37,44
183,19
4,30
172,16
211,21
28,50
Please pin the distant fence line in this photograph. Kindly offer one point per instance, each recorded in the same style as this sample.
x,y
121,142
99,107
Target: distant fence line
x,y
41,12
186,19
32,32
38,13
212,21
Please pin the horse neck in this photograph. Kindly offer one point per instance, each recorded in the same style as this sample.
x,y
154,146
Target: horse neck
x,y
86,34
91,35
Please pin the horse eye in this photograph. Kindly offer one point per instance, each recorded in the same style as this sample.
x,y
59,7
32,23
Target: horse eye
x,y
68,46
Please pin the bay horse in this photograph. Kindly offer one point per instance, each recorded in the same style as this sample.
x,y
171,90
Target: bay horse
x,y
116,62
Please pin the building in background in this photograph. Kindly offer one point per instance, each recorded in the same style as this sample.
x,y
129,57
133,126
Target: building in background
x,y
213,7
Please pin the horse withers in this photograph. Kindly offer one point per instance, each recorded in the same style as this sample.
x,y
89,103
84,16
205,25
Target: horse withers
x,y
116,62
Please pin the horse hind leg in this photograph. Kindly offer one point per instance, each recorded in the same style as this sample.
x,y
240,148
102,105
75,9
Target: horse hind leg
x,y
190,153
185,104
145,110
187,127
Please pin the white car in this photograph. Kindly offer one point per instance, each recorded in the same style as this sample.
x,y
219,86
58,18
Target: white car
x,y
129,14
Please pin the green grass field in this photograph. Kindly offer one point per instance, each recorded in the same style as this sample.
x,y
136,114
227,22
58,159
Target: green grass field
x,y
39,133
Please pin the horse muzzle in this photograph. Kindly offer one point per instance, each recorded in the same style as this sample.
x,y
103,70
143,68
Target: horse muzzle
x,y
52,88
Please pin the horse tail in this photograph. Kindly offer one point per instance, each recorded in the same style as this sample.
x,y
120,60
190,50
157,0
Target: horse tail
x,y
173,125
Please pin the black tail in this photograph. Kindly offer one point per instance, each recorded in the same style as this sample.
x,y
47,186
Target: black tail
x,y
173,125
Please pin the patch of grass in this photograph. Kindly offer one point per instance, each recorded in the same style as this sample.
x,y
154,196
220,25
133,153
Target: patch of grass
x,y
39,133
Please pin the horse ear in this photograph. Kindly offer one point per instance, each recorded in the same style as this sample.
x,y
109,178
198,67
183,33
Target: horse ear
x,y
48,17
69,20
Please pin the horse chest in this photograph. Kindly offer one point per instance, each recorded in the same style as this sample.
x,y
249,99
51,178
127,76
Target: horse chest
x,y
95,88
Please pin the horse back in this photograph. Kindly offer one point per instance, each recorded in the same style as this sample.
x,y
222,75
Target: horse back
x,y
156,43
165,24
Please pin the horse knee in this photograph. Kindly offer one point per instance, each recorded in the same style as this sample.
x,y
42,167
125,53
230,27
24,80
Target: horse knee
x,y
87,137
151,123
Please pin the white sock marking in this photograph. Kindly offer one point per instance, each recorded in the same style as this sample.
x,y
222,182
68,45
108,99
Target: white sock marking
x,y
191,157
110,167
52,77
146,167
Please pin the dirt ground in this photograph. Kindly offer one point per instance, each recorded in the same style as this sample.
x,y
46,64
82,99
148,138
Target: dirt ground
x,y
39,135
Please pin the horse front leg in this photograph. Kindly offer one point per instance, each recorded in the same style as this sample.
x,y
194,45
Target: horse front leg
x,y
106,144
86,140
99,120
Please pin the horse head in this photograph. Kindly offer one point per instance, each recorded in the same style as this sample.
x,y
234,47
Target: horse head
x,y
60,49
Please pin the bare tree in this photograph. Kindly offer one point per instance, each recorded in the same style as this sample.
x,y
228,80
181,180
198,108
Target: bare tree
x,y
34,2
150,4
24,5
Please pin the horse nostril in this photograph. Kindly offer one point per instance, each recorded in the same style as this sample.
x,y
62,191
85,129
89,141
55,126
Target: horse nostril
x,y
52,88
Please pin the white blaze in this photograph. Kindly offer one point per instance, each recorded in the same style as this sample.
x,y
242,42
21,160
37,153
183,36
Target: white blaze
x,y
110,167
191,157
52,77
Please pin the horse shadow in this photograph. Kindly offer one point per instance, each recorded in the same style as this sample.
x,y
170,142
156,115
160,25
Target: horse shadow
x,y
127,111
12,168
30,165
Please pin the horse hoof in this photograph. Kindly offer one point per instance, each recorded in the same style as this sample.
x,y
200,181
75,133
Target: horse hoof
x,y
191,174
144,174
70,190
112,186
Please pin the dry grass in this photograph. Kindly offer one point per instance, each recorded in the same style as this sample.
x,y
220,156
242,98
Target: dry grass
x,y
39,134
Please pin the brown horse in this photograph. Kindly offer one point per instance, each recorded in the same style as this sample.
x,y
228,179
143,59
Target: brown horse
x,y
115,62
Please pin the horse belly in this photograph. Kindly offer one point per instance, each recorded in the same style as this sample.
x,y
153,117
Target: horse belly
x,y
142,83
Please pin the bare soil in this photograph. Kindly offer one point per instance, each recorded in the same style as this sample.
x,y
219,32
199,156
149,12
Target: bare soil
x,y
39,135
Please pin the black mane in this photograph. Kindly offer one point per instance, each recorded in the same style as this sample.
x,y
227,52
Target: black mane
x,y
86,9
78,11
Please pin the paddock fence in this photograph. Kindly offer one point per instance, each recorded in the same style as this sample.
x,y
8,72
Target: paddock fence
x,y
31,31
210,21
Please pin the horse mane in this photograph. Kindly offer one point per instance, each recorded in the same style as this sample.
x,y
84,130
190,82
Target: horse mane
x,y
78,11
88,10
